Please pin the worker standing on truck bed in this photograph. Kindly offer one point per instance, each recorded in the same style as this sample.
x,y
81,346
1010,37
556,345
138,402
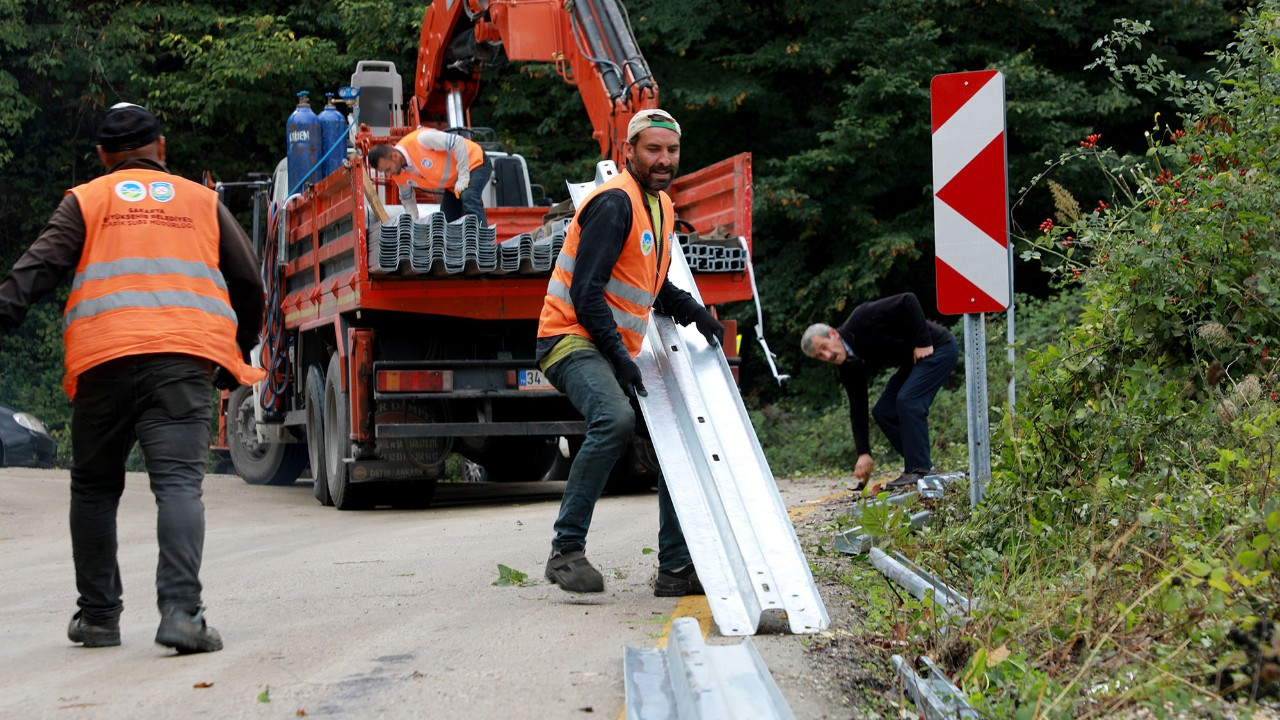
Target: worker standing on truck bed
x,y
162,275
611,272
428,159
888,333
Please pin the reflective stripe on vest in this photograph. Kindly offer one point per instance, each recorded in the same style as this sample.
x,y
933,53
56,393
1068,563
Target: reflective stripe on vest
x,y
621,318
148,266
634,281
615,287
143,299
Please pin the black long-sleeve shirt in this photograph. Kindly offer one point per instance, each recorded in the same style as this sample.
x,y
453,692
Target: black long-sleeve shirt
x,y
605,226
57,251
882,334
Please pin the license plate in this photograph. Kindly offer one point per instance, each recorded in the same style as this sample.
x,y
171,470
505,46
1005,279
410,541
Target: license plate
x,y
534,380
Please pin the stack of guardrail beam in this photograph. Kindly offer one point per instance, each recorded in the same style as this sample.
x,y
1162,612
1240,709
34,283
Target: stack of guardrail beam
x,y
532,252
464,246
386,247
433,246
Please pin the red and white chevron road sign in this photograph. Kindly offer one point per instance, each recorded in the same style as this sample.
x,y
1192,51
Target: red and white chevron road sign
x,y
970,192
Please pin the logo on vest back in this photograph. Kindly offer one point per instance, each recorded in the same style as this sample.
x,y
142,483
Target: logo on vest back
x,y
426,162
161,191
130,191
646,242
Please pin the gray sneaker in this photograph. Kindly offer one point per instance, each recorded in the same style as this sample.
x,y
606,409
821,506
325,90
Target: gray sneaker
x,y
93,635
573,572
186,631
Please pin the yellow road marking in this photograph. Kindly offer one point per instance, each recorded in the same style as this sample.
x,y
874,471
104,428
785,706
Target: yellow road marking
x,y
694,606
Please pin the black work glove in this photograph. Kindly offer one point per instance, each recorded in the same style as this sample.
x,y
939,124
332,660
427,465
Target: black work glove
x,y
710,328
224,380
628,374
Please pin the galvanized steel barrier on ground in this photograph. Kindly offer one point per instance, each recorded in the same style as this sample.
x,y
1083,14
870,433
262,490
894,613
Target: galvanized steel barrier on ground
x,y
690,680
936,696
739,535
857,540
918,581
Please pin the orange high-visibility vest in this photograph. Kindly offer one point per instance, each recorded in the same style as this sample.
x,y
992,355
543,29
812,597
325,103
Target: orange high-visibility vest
x,y
148,280
637,276
436,169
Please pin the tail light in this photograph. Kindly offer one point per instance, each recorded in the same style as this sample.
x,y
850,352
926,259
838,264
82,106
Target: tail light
x,y
416,381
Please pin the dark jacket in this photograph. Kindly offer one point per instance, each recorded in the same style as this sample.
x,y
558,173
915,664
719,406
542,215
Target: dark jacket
x,y
883,334
57,250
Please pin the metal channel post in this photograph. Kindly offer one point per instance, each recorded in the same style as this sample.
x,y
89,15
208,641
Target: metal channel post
x,y
975,382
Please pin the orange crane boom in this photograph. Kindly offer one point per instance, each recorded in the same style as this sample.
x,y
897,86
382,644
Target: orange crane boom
x,y
589,42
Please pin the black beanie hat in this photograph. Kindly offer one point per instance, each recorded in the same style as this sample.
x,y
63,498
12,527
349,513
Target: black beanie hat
x,y
127,127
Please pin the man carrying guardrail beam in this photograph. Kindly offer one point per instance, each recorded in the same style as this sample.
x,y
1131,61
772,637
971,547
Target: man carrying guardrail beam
x,y
610,273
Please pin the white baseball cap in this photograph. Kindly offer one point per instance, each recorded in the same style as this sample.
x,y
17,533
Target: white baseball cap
x,y
646,119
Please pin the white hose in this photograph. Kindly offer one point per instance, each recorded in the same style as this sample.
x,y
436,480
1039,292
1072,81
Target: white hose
x,y
755,295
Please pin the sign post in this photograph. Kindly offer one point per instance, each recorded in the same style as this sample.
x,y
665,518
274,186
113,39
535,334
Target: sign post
x,y
971,231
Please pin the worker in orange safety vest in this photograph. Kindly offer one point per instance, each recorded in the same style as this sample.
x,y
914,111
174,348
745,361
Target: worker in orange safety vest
x,y
437,161
165,303
611,271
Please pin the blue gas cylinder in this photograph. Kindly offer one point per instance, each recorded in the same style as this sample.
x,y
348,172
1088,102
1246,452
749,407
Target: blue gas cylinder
x,y
303,133
333,132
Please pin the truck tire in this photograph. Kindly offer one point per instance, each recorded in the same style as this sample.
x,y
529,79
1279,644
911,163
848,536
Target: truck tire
x,y
257,463
337,443
315,435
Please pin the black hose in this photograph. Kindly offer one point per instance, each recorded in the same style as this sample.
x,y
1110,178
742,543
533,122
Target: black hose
x,y
610,73
629,54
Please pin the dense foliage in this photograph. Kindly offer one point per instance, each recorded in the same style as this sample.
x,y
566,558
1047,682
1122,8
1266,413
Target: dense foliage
x,y
1126,554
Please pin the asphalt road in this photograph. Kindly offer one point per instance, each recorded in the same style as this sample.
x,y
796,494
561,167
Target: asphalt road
x,y
385,613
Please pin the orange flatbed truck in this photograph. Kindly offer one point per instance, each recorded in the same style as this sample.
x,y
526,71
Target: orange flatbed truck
x,y
375,378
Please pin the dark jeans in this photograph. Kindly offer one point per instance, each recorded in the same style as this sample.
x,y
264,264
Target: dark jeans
x,y
162,402
902,411
587,378
472,200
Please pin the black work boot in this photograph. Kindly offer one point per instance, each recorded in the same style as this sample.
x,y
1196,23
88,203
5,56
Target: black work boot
x,y
678,583
573,572
186,631
83,630
905,481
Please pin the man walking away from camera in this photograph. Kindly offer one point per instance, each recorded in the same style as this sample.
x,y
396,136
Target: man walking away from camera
x,y
166,294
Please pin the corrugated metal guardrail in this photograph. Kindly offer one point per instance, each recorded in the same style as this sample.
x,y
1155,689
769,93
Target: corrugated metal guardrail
x,y
736,525
465,247
690,680
856,540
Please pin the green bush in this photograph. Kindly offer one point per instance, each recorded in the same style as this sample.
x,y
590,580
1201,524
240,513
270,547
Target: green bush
x,y
1126,551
